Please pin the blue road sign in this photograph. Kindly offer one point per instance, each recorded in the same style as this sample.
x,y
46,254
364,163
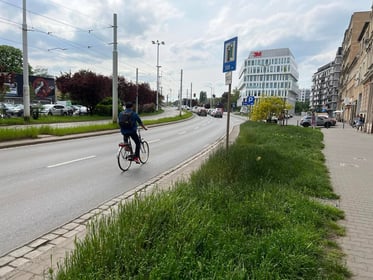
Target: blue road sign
x,y
251,100
230,55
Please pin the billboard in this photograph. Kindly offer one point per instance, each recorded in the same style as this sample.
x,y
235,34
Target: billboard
x,y
41,88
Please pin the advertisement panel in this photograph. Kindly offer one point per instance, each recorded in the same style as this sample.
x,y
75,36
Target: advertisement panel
x,y
41,88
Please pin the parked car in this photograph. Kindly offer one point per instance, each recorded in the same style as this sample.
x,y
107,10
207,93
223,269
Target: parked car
x,y
54,110
306,121
333,121
79,110
272,119
8,109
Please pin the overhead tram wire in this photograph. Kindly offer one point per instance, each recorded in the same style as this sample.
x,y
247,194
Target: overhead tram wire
x,y
78,29
78,45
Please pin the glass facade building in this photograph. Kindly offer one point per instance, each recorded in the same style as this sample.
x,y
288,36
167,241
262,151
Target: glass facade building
x,y
267,73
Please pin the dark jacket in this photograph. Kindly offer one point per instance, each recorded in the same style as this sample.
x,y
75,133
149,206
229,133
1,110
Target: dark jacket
x,y
135,118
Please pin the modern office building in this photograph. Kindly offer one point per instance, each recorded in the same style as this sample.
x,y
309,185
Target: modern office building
x,y
267,73
325,86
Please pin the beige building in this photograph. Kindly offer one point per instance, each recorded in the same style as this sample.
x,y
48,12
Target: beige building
x,y
365,100
356,88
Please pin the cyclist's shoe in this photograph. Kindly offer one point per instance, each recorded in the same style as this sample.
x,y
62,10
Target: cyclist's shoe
x,y
137,160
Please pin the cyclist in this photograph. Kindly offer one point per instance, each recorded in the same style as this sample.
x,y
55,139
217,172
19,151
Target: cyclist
x,y
128,128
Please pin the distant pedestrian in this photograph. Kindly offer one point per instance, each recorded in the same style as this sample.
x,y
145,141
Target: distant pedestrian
x,y
360,122
313,120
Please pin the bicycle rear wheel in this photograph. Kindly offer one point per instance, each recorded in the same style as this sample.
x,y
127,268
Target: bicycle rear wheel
x,y
124,158
144,152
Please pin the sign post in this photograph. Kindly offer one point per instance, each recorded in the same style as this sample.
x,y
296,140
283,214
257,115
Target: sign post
x,y
229,65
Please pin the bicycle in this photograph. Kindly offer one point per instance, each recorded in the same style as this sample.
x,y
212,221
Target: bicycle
x,y
125,152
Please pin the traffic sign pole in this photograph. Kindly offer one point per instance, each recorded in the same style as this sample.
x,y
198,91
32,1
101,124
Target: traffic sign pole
x,y
229,65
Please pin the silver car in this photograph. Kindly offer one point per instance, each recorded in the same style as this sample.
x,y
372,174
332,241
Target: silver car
x,y
306,121
54,110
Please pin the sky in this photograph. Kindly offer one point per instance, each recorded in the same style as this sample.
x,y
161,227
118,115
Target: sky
x,y
69,36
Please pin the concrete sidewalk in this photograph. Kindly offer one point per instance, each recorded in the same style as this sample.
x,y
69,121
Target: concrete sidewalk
x,y
349,158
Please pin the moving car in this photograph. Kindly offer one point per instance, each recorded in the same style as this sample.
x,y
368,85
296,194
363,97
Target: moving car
x,y
202,111
217,113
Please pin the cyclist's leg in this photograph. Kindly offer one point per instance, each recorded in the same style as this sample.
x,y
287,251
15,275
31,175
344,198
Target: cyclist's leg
x,y
125,138
136,139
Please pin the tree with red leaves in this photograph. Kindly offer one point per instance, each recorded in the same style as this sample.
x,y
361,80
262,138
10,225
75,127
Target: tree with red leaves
x,y
87,88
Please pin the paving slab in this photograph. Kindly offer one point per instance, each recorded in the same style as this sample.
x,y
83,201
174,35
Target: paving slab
x,y
349,158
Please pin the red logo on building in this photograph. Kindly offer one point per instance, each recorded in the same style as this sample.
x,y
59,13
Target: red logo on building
x,y
257,54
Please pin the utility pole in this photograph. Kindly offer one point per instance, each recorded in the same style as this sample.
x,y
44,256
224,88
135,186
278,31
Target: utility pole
x,y
181,89
191,95
26,87
137,90
158,66
115,71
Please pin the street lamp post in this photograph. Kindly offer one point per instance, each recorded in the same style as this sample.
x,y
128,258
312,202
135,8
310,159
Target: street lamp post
x,y
157,43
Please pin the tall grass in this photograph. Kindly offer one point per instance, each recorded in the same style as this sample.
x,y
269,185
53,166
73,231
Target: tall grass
x,y
248,213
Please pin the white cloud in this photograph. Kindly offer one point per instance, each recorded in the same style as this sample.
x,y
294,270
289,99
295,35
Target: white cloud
x,y
193,31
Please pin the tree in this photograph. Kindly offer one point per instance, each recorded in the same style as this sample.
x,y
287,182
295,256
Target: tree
x,y
85,87
10,60
301,107
224,100
267,107
203,97
89,89
41,72
232,98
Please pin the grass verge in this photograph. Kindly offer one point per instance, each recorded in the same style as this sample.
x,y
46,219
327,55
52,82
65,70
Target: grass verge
x,y
7,134
248,213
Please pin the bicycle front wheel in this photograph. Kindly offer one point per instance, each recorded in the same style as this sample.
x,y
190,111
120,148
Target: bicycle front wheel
x,y
144,152
124,157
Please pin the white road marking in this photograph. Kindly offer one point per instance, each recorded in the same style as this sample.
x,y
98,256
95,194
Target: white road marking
x,y
154,141
346,164
70,161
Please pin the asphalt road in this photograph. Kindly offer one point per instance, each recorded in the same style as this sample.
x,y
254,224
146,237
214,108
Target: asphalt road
x,y
46,185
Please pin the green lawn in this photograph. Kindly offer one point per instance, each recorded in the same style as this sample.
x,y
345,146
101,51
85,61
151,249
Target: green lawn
x,y
253,212
30,132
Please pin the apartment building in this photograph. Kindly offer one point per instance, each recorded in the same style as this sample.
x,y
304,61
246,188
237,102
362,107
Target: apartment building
x,y
365,100
325,86
357,70
304,95
267,73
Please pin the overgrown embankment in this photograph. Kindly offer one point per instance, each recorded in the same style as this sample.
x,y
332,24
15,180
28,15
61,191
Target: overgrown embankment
x,y
249,213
